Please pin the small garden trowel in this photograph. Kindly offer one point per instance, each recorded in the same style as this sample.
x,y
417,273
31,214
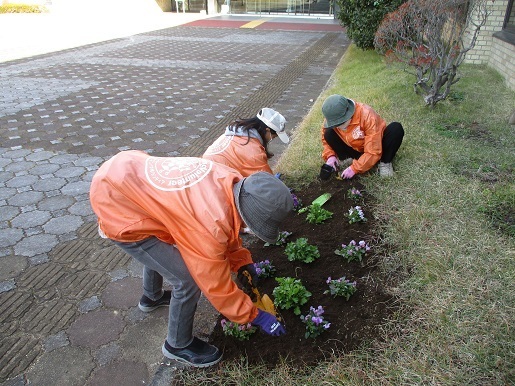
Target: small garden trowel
x,y
321,200
263,302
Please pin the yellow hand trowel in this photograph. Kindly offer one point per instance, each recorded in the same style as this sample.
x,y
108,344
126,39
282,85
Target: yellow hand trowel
x,y
263,302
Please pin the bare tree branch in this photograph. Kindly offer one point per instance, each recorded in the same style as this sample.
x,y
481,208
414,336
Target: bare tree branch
x,y
433,37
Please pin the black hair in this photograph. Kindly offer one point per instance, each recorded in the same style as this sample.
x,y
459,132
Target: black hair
x,y
252,123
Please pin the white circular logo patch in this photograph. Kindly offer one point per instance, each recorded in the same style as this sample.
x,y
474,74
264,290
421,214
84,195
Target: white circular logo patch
x,y
219,145
357,133
179,173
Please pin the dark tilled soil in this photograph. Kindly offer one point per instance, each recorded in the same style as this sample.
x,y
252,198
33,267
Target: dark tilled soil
x,y
353,321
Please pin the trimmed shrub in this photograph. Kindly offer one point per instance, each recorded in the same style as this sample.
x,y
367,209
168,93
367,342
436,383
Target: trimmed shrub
x,y
361,18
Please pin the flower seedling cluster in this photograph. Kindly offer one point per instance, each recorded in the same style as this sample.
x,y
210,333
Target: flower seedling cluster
x,y
281,239
353,251
317,214
354,194
264,269
237,331
315,323
290,293
356,215
341,287
297,203
301,250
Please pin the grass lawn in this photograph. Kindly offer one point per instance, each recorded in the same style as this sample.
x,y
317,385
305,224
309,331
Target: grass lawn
x,y
446,228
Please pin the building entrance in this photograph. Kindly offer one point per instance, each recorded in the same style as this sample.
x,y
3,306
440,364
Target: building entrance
x,y
281,7
264,7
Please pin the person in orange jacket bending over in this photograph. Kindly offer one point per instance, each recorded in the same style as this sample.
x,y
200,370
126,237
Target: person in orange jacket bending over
x,y
355,134
244,145
180,217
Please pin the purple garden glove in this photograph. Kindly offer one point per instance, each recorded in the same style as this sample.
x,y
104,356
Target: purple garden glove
x,y
268,323
348,173
332,161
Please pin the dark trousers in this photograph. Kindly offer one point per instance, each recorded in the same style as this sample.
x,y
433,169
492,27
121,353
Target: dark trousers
x,y
392,139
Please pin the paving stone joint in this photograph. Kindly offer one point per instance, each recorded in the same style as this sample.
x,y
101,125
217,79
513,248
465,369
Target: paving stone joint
x,y
68,299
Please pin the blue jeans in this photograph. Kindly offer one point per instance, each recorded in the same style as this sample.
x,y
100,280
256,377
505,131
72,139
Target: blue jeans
x,y
164,260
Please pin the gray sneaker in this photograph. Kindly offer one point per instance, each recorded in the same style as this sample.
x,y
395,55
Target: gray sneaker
x,y
385,169
198,353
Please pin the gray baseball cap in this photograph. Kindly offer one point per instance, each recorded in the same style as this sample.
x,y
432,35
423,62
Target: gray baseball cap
x,y
337,109
263,202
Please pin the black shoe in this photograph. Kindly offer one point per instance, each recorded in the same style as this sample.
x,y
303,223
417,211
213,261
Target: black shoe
x,y
147,305
198,353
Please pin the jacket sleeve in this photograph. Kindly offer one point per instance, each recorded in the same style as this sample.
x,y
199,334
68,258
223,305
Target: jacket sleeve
x,y
238,256
210,265
373,126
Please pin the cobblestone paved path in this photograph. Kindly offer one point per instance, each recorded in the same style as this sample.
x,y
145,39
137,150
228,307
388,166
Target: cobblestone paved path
x,y
68,299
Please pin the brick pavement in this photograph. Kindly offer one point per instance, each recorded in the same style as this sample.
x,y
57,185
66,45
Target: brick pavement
x,y
68,299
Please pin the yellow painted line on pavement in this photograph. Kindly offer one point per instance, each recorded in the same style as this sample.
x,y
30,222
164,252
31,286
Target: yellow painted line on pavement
x,y
254,23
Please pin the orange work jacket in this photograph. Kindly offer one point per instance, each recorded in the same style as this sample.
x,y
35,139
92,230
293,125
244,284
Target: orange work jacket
x,y
364,134
184,201
247,156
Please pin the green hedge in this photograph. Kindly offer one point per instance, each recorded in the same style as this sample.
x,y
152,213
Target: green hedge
x,y
361,18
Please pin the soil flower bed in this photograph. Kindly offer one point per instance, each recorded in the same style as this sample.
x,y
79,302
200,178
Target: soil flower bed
x,y
352,321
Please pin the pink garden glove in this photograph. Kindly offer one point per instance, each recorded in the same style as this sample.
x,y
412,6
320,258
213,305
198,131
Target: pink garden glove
x,y
348,173
332,161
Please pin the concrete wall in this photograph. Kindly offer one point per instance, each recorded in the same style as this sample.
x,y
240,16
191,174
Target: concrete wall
x,y
491,50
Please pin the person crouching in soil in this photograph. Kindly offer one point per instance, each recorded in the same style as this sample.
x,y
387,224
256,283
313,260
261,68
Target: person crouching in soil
x,y
180,217
355,138
244,145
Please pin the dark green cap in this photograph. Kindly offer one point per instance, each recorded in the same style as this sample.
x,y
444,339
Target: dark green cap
x,y
336,110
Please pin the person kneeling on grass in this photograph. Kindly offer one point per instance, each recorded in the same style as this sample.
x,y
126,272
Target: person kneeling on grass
x,y
180,217
355,134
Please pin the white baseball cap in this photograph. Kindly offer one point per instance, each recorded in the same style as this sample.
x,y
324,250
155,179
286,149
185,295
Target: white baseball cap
x,y
275,121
